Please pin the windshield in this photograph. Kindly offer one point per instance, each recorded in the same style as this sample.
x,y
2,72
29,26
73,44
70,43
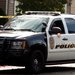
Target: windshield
x,y
26,23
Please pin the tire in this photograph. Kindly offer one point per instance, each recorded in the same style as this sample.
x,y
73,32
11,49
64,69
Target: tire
x,y
36,63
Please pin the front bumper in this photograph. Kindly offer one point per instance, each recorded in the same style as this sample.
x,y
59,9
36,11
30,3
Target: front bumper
x,y
16,57
12,56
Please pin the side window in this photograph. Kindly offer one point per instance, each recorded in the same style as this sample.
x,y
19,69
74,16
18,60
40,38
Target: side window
x,y
58,23
70,24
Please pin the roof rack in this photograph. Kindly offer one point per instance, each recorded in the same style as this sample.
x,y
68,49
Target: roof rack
x,y
54,13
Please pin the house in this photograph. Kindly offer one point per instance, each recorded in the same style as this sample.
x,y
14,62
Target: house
x,y
7,6
70,7
73,6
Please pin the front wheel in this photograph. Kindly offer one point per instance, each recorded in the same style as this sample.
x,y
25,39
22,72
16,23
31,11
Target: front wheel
x,y
36,63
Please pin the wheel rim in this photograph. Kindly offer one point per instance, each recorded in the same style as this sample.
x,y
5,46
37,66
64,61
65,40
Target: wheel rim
x,y
37,62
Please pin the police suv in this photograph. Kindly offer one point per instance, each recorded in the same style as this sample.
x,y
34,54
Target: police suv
x,y
34,40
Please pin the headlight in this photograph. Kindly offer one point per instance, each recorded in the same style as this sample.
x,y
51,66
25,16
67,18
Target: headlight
x,y
18,45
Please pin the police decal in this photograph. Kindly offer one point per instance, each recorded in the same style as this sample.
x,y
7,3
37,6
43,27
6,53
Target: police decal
x,y
51,42
65,46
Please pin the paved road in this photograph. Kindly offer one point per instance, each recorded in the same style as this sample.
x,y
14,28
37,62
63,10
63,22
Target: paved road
x,y
66,69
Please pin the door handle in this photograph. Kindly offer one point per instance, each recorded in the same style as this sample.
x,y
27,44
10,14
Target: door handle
x,y
65,39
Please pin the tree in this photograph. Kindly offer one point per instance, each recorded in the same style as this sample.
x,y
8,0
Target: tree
x,y
2,20
40,5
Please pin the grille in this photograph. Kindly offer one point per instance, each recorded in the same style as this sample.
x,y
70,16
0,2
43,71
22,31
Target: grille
x,y
15,52
4,43
1,43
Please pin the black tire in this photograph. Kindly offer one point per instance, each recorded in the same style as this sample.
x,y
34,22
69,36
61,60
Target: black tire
x,y
36,63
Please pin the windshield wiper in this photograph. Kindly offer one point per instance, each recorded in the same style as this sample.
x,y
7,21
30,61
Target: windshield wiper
x,y
9,29
18,29
26,30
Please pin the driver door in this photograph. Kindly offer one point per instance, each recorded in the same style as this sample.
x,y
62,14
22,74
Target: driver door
x,y
57,42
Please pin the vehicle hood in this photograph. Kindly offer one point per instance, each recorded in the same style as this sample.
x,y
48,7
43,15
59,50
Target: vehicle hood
x,y
16,34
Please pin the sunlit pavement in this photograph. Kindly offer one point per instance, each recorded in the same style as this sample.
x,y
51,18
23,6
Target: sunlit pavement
x,y
63,69
5,67
62,65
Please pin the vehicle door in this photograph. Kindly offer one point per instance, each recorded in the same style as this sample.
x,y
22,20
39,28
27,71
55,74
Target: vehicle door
x,y
70,23
58,42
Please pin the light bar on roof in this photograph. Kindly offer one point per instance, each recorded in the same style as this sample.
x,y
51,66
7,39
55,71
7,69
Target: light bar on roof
x,y
43,12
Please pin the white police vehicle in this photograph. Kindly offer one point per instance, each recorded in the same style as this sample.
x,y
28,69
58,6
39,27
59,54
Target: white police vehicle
x,y
35,40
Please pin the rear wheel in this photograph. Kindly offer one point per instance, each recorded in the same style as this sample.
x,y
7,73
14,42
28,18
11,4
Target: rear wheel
x,y
36,63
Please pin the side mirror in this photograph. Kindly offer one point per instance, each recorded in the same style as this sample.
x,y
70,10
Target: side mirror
x,y
55,30
1,26
44,26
